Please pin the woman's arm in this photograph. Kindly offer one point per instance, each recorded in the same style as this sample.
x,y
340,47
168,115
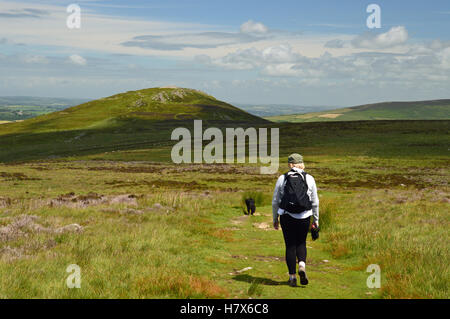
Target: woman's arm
x,y
276,198
314,201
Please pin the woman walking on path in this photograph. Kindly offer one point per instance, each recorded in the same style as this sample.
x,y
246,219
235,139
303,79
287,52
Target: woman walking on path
x,y
294,201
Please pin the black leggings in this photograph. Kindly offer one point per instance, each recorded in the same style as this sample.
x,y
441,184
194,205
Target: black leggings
x,y
294,233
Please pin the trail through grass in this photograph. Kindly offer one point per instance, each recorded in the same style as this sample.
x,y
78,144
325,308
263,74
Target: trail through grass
x,y
155,230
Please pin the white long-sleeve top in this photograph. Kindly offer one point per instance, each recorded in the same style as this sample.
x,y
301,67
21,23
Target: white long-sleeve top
x,y
312,193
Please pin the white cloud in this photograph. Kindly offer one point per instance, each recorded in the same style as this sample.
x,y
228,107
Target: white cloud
x,y
130,35
394,37
282,69
253,27
253,58
77,59
280,54
445,58
99,32
438,44
203,40
356,68
287,58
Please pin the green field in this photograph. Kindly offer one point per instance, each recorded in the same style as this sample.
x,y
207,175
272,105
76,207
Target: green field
x,y
420,110
98,189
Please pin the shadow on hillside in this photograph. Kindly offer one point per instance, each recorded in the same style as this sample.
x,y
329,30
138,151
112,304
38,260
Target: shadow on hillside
x,y
125,134
367,138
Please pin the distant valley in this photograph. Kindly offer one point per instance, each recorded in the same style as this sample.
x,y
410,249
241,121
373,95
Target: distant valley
x,y
265,110
18,108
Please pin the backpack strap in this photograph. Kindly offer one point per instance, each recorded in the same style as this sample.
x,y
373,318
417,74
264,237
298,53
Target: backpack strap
x,y
286,174
304,178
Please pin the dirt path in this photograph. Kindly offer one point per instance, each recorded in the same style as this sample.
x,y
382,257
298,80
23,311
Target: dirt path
x,y
253,264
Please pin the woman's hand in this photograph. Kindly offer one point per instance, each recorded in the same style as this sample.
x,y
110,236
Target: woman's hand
x,y
276,225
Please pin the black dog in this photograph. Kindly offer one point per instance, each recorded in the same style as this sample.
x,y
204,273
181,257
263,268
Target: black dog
x,y
250,202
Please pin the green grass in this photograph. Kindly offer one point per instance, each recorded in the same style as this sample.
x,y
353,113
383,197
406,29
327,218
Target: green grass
x,y
195,246
383,189
192,250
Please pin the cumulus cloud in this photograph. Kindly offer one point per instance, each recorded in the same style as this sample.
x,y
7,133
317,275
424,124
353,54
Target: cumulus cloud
x,y
245,59
239,60
395,36
280,54
445,58
438,44
357,68
253,27
77,59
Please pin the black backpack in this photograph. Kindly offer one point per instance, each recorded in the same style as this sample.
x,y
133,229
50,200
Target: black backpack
x,y
295,198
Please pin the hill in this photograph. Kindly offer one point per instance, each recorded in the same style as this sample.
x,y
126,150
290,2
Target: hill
x,y
126,120
154,104
419,110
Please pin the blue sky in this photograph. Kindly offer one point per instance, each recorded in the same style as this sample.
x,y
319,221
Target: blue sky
x,y
287,52
424,19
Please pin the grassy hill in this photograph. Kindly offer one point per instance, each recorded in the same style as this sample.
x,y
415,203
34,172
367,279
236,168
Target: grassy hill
x,y
155,104
421,110
127,120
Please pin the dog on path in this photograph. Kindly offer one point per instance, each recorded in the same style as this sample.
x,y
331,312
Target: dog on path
x,y
251,208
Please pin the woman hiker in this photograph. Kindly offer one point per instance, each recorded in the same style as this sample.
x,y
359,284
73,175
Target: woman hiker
x,y
295,201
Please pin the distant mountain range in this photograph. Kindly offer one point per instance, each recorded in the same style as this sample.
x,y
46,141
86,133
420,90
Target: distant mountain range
x,y
416,110
280,109
16,108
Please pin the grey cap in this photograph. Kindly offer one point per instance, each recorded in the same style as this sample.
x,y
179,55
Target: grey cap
x,y
295,158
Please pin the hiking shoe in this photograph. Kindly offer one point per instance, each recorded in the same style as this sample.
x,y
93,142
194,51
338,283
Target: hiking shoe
x,y
292,282
302,274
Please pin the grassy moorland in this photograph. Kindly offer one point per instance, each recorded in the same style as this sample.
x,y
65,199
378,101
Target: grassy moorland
x,y
140,226
418,110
